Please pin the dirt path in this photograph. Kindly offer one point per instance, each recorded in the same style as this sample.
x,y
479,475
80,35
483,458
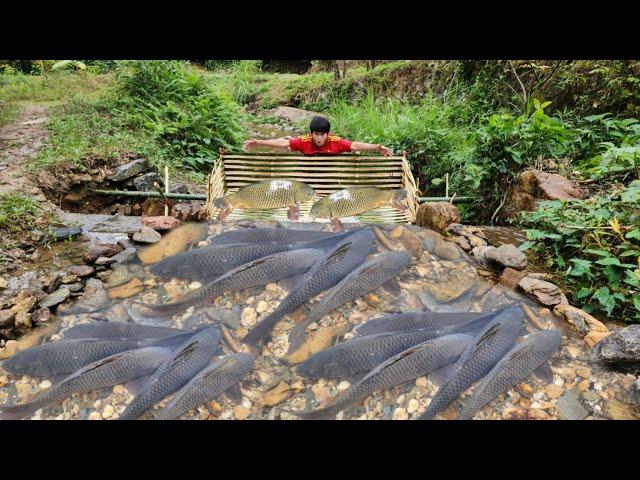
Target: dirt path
x,y
19,142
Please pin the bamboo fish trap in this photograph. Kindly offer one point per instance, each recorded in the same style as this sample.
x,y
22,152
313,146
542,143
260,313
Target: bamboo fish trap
x,y
325,174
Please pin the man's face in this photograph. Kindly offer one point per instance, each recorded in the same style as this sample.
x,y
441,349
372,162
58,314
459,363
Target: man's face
x,y
319,138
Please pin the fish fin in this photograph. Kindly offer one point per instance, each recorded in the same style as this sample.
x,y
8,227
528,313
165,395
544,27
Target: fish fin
x,y
135,386
297,336
234,394
355,378
294,212
544,372
289,283
439,376
336,225
392,286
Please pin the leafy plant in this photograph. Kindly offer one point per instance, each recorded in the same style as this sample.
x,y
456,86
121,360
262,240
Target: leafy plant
x,y
595,245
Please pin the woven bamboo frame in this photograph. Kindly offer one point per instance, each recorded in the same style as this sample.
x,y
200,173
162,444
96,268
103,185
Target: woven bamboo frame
x,y
325,174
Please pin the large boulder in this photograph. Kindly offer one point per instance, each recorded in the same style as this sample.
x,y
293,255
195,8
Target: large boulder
x,y
543,292
437,215
532,186
621,348
144,183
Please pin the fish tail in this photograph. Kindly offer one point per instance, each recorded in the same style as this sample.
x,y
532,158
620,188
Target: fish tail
x,y
259,332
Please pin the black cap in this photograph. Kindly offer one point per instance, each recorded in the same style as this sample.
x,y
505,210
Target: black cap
x,y
320,124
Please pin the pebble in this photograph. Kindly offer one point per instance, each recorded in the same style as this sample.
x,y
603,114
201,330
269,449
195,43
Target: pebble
x,y
194,285
262,306
584,372
421,382
271,287
249,317
343,385
413,406
97,404
95,416
584,385
400,414
538,395
108,411
400,400
597,386
118,390
553,391
44,384
240,412
250,300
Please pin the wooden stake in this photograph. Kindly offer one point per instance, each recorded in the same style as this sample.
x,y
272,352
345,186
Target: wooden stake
x,y
166,188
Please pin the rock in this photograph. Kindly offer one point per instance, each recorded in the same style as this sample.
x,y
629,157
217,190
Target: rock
x,y
533,185
124,256
55,298
450,284
396,233
67,279
463,243
145,183
178,187
413,406
23,320
421,382
570,408
592,338
240,412
160,223
580,321
101,250
343,385
81,270
248,317
127,290
510,278
6,318
129,170
543,292
584,372
319,341
412,243
42,315
621,348
108,411
616,410
262,306
95,416
44,385
400,414
64,233
94,298
118,276
447,251
430,239
507,256
476,241
189,212
553,391
437,215
146,235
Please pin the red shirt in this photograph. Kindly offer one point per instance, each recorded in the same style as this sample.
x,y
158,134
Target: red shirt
x,y
333,146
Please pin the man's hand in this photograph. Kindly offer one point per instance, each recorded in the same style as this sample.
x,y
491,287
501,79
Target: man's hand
x,y
249,144
386,151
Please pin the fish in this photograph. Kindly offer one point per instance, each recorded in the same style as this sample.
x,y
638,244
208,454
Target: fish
x,y
209,262
325,273
175,372
491,344
118,330
519,362
67,356
407,365
113,370
206,385
354,201
266,235
379,270
271,268
361,354
406,321
268,194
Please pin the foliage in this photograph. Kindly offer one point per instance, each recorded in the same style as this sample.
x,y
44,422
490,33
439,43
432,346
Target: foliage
x,y
180,109
18,212
595,245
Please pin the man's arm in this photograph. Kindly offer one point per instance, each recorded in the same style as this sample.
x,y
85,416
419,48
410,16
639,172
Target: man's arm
x,y
370,147
273,143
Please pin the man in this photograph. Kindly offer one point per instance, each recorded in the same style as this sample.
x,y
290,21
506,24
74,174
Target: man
x,y
320,141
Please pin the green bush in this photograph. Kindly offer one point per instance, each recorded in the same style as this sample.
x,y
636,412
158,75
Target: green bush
x,y
180,108
594,245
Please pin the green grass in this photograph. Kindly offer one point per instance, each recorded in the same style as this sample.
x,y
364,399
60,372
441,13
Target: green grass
x,y
9,112
51,87
18,212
